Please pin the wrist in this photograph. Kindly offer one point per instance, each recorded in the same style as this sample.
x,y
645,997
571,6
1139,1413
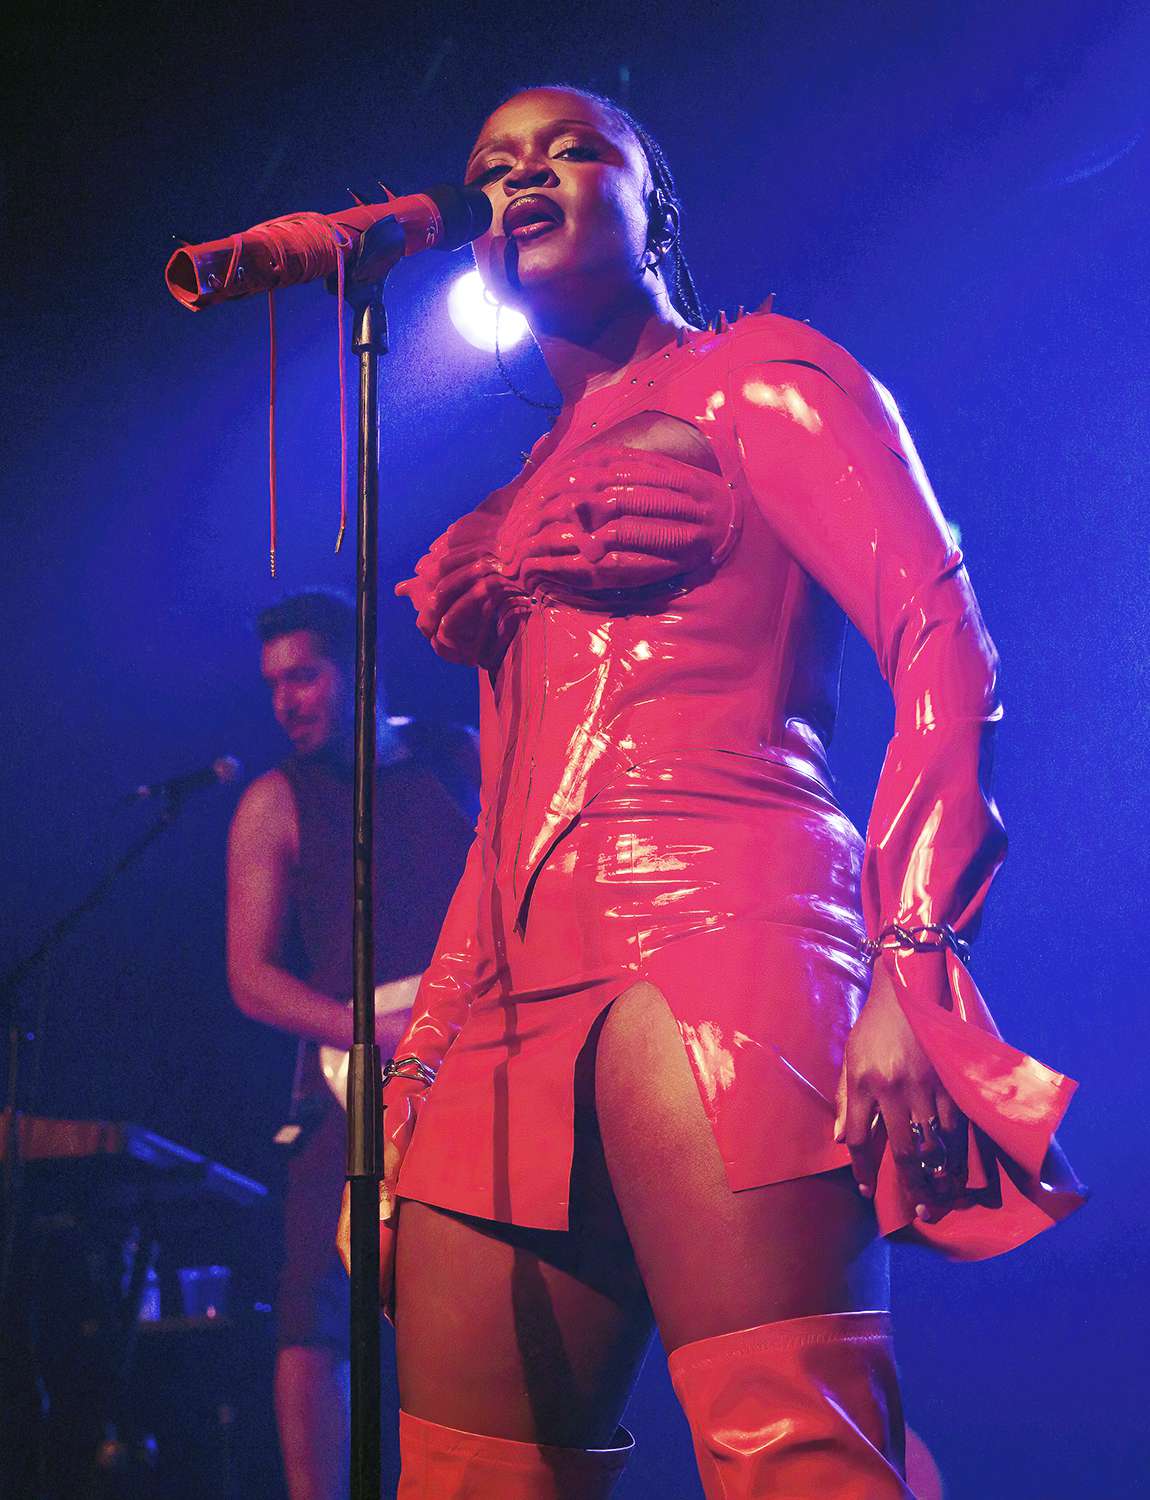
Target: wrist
x,y
409,1071
904,939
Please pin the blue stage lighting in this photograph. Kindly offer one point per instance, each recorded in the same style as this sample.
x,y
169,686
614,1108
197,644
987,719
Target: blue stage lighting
x,y
476,314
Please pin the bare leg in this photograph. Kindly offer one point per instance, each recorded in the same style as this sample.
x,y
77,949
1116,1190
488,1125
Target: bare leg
x,y
311,1398
538,1335
711,1260
771,1301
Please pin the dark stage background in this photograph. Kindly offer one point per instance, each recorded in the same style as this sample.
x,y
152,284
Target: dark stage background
x,y
957,193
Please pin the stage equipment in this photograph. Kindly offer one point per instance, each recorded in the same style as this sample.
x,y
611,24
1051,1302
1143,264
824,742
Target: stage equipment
x,y
301,247
24,1034
481,320
223,771
105,1203
354,250
397,994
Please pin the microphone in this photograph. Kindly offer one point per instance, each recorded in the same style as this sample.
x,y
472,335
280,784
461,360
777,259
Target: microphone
x,y
221,772
302,247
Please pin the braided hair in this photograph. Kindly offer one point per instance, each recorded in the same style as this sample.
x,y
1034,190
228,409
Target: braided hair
x,y
681,286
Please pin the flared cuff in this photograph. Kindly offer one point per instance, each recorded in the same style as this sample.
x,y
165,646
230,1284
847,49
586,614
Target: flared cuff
x,y
1018,1180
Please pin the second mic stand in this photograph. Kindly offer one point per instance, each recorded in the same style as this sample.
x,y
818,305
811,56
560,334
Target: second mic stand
x,y
19,1099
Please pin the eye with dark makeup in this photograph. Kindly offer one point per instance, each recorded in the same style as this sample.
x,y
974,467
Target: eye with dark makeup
x,y
581,153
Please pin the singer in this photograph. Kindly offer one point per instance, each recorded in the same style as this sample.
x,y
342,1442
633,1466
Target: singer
x,y
691,1051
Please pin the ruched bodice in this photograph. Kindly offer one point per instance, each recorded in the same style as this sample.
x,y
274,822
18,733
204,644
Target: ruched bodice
x,y
626,604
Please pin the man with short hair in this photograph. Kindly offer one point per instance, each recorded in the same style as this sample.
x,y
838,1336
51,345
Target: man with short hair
x,y
289,886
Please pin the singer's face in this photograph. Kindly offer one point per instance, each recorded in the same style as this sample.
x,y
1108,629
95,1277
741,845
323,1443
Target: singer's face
x,y
568,183
311,698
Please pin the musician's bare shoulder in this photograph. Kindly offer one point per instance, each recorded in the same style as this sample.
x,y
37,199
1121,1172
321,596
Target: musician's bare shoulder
x,y
266,818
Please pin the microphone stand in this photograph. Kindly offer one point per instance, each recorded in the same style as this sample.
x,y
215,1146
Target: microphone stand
x,y
19,1036
381,248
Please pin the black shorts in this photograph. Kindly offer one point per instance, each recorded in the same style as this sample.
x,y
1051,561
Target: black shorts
x,y
312,1299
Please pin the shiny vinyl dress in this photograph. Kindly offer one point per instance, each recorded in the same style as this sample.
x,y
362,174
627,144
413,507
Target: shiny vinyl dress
x,y
659,649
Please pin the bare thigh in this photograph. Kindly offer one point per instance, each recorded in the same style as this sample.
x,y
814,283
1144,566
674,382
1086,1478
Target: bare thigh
x,y
711,1260
526,1334
538,1336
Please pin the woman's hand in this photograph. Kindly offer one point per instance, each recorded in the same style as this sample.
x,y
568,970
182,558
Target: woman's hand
x,y
399,1115
889,1090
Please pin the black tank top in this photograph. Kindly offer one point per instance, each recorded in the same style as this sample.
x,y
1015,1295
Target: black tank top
x,y
426,803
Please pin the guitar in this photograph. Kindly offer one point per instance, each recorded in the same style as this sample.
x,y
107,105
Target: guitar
x,y
396,995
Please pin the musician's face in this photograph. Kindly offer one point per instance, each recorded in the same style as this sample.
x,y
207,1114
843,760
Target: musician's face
x,y
583,234
311,697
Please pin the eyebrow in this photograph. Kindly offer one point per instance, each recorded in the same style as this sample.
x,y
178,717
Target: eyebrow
x,y
553,127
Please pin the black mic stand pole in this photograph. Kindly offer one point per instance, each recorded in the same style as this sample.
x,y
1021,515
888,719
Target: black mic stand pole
x,y
364,1104
379,250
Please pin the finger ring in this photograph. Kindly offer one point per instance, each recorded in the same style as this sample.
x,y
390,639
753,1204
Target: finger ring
x,y
918,1131
937,1163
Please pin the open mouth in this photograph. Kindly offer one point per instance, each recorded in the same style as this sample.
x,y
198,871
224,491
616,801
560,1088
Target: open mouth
x,y
530,217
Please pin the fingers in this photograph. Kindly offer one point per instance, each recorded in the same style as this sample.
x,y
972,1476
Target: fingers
x,y
841,1105
927,1135
392,1156
931,1160
942,1155
343,1229
917,1148
956,1136
865,1136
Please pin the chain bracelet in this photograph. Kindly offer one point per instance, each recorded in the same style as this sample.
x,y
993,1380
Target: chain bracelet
x,y
409,1067
927,938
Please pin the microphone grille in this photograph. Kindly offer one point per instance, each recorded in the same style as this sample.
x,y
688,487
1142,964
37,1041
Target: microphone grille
x,y
466,214
227,769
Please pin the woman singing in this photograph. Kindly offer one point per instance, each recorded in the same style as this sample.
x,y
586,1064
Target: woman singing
x,y
641,1086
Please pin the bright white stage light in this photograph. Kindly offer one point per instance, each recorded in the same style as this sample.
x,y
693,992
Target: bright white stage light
x,y
474,311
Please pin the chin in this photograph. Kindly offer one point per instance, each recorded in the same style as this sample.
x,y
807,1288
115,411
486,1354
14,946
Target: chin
x,y
532,270
308,744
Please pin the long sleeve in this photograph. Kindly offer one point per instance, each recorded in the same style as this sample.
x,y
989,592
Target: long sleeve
x,y
842,487
834,473
445,990
442,1001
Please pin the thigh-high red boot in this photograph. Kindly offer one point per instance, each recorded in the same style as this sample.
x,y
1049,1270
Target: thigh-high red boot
x,y
805,1407
442,1463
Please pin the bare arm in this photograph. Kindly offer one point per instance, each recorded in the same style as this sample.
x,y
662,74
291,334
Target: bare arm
x,y
262,845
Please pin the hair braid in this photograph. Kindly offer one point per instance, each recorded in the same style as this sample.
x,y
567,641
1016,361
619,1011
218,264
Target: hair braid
x,y
684,293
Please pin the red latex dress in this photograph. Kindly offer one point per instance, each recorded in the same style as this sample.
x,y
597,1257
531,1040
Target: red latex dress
x,y
659,649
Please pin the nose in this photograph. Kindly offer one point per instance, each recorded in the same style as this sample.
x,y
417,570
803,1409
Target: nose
x,y
531,172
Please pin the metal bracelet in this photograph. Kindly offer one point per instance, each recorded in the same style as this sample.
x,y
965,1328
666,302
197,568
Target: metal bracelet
x,y
413,1068
927,938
